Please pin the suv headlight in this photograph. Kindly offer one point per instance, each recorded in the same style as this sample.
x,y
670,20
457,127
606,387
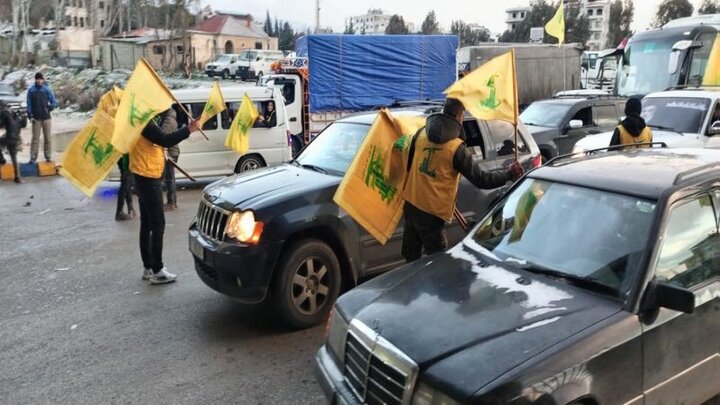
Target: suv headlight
x,y
243,227
426,395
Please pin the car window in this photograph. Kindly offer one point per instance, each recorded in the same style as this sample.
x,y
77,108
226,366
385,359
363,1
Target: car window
x,y
584,115
545,114
502,134
690,252
606,116
473,136
196,109
684,114
227,116
716,114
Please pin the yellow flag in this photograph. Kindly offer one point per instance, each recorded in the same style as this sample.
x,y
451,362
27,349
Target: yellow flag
x,y
556,26
490,91
214,105
238,139
712,70
90,156
145,97
371,190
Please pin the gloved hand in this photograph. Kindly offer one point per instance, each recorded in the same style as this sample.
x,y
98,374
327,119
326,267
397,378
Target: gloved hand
x,y
516,170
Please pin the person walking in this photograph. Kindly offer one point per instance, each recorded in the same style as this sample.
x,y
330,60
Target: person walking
x,y
125,192
40,103
632,130
147,163
437,157
169,124
10,139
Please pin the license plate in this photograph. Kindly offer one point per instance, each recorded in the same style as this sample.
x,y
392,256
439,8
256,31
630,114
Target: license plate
x,y
197,249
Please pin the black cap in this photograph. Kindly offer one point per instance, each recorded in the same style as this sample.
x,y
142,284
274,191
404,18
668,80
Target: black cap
x,y
39,76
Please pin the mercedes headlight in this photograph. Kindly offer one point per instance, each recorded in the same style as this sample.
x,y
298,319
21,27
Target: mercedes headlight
x,y
337,330
243,227
426,395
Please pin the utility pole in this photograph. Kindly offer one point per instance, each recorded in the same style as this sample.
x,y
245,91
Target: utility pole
x,y
317,16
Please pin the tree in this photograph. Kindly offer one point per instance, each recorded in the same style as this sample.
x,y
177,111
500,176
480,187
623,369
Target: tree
x,y
286,37
577,27
277,28
709,7
430,26
268,24
396,26
619,20
349,28
670,10
467,35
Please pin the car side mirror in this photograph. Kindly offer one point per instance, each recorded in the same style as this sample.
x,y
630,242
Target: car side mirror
x,y
576,124
257,59
714,128
663,295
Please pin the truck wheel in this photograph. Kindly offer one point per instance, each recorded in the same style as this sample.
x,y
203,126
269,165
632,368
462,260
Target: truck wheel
x,y
250,162
307,284
225,74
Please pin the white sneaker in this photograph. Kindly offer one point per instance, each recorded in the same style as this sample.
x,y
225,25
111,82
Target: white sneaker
x,y
162,277
147,273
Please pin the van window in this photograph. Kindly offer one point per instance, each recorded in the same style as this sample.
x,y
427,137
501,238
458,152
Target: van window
x,y
227,116
196,109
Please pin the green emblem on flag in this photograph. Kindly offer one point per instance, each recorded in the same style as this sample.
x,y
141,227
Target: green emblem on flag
x,y
490,102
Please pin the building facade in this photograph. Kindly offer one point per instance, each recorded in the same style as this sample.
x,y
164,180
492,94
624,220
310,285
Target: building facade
x,y
373,23
161,48
514,16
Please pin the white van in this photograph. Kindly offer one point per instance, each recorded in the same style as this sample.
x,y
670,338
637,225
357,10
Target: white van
x,y
209,158
256,62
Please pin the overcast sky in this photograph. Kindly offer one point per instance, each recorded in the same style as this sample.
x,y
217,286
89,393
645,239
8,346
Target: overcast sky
x,y
490,13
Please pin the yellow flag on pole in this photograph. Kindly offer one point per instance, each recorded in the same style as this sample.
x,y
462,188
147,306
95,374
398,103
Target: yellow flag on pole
x,y
556,26
712,70
490,91
145,96
371,190
214,105
238,139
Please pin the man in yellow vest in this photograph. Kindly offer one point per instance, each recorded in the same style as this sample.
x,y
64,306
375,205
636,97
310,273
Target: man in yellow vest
x,y
147,163
632,130
438,156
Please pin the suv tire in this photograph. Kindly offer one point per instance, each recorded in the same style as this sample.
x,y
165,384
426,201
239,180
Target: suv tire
x,y
307,283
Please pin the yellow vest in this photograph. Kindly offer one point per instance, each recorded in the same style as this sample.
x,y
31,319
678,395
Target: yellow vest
x,y
627,139
432,182
147,159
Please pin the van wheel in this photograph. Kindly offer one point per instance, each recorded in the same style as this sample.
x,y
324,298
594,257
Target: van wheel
x,y
307,284
250,162
225,74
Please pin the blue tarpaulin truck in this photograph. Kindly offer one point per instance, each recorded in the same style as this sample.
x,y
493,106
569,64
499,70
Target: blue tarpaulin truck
x,y
333,75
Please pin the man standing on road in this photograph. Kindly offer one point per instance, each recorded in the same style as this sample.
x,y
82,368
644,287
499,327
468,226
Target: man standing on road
x,y
10,140
632,130
40,102
438,156
147,163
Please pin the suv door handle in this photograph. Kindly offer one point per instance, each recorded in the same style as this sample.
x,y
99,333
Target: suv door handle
x,y
293,119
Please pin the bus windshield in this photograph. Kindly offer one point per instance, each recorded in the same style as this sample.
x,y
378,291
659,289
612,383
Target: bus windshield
x,y
644,67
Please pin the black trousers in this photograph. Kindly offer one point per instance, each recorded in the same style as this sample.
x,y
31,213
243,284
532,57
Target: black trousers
x,y
422,233
125,192
152,221
11,145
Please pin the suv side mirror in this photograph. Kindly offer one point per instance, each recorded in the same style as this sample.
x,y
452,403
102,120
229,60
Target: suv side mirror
x,y
663,295
576,124
714,128
257,59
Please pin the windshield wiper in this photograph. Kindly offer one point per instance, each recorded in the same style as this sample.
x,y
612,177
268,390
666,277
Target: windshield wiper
x,y
585,282
314,168
662,128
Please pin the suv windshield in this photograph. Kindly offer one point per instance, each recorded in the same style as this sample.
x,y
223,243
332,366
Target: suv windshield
x,y
248,55
335,147
545,114
680,114
581,232
645,67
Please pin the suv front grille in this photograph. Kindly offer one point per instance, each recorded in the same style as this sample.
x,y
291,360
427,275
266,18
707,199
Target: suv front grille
x,y
212,220
375,370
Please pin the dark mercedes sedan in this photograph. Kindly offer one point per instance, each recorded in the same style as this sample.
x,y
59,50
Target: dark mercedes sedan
x,y
595,280
276,235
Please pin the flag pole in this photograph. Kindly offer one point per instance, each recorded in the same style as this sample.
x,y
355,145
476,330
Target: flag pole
x,y
515,107
564,74
175,165
157,77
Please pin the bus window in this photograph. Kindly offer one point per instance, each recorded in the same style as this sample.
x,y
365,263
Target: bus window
x,y
699,60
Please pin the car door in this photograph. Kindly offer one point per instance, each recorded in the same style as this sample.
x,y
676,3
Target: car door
x,y
570,136
681,352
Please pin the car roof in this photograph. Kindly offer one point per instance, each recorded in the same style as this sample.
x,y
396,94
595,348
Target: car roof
x,y
711,93
572,100
644,173
230,92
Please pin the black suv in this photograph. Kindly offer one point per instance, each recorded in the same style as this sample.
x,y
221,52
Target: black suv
x,y
276,232
558,123
595,280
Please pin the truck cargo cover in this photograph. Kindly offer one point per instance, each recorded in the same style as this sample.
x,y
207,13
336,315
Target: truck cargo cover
x,y
359,72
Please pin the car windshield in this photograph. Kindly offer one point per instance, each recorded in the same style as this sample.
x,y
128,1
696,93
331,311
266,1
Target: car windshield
x,y
6,90
680,114
335,147
581,232
248,55
545,114
224,59
645,67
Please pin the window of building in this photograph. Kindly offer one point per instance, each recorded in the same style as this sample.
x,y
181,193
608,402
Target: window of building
x,y
522,15
101,5
258,45
82,22
179,49
158,49
590,12
102,23
599,12
75,22
514,15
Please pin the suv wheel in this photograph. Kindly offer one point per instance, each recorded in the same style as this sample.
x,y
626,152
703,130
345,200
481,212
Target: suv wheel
x,y
307,284
225,74
250,162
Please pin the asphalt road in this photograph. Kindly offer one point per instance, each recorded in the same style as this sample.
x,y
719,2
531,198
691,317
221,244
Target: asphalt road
x,y
78,325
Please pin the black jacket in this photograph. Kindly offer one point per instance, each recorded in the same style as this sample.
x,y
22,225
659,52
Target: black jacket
x,y
11,126
634,124
441,128
155,134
